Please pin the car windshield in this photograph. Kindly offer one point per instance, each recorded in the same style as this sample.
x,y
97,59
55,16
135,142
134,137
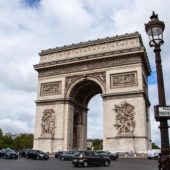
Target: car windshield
x,y
9,150
41,152
77,153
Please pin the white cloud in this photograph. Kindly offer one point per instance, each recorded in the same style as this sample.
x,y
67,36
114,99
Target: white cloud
x,y
25,31
95,118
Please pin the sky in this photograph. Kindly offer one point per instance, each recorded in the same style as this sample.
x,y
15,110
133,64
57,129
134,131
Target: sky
x,y
29,26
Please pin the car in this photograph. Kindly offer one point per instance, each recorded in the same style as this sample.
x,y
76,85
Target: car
x,y
36,154
112,156
22,152
86,158
8,154
58,154
67,155
153,154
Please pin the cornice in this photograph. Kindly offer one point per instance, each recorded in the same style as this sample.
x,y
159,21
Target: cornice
x,y
128,94
89,58
90,65
90,42
52,63
60,101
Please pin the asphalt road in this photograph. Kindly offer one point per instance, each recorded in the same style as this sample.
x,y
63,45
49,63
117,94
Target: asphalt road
x,y
55,164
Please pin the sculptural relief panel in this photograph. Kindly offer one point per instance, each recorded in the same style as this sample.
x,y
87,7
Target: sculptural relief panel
x,y
124,123
48,123
52,88
123,80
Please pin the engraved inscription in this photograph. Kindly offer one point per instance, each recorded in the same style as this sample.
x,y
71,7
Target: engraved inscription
x,y
125,118
52,88
123,80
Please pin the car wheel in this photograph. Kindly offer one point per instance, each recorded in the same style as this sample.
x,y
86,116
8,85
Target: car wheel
x,y
75,165
85,163
26,157
112,158
106,163
62,158
38,158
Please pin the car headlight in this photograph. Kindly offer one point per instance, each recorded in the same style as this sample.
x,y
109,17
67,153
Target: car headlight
x,y
41,155
81,160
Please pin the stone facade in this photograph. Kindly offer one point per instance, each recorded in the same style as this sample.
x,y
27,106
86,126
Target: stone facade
x,y
68,77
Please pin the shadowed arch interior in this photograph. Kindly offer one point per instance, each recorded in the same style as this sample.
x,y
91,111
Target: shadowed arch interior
x,y
81,94
84,91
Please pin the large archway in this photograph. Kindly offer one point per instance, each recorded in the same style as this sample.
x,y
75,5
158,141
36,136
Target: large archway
x,y
80,93
68,77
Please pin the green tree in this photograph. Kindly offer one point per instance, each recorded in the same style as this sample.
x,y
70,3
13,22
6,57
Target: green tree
x,y
154,146
1,132
97,144
6,142
23,141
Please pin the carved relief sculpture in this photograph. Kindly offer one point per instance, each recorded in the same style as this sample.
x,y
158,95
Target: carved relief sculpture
x,y
101,76
125,118
123,80
48,122
86,50
52,88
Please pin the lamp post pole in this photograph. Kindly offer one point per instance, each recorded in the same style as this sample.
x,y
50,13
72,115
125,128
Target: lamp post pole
x,y
162,101
154,29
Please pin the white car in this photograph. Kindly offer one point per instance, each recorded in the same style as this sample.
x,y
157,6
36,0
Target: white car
x,y
153,154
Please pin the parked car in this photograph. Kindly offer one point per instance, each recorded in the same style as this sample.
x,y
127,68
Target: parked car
x,y
67,155
112,156
8,154
58,154
22,153
86,158
154,154
36,154
0,153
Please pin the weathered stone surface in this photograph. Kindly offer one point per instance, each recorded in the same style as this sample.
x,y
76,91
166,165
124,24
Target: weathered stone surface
x,y
69,76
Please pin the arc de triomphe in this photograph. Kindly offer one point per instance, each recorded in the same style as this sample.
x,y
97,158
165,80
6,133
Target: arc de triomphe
x,y
69,76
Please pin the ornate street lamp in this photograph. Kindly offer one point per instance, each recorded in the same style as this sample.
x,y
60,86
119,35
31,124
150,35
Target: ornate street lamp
x,y
155,28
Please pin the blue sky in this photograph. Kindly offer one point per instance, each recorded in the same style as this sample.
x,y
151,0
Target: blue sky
x,y
31,3
28,26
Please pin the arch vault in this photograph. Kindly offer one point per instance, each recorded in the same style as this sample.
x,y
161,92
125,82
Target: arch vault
x,y
68,77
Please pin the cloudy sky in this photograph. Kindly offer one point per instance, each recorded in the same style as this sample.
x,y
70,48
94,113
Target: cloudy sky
x,y
28,26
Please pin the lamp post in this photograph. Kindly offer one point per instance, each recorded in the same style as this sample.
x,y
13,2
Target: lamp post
x,y
154,28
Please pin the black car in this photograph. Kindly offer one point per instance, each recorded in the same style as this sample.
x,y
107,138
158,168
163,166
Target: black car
x,y
67,155
36,154
22,152
86,158
8,154
112,156
58,154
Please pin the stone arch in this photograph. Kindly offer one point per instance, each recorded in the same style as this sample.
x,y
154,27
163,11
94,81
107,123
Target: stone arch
x,y
82,85
80,91
69,76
